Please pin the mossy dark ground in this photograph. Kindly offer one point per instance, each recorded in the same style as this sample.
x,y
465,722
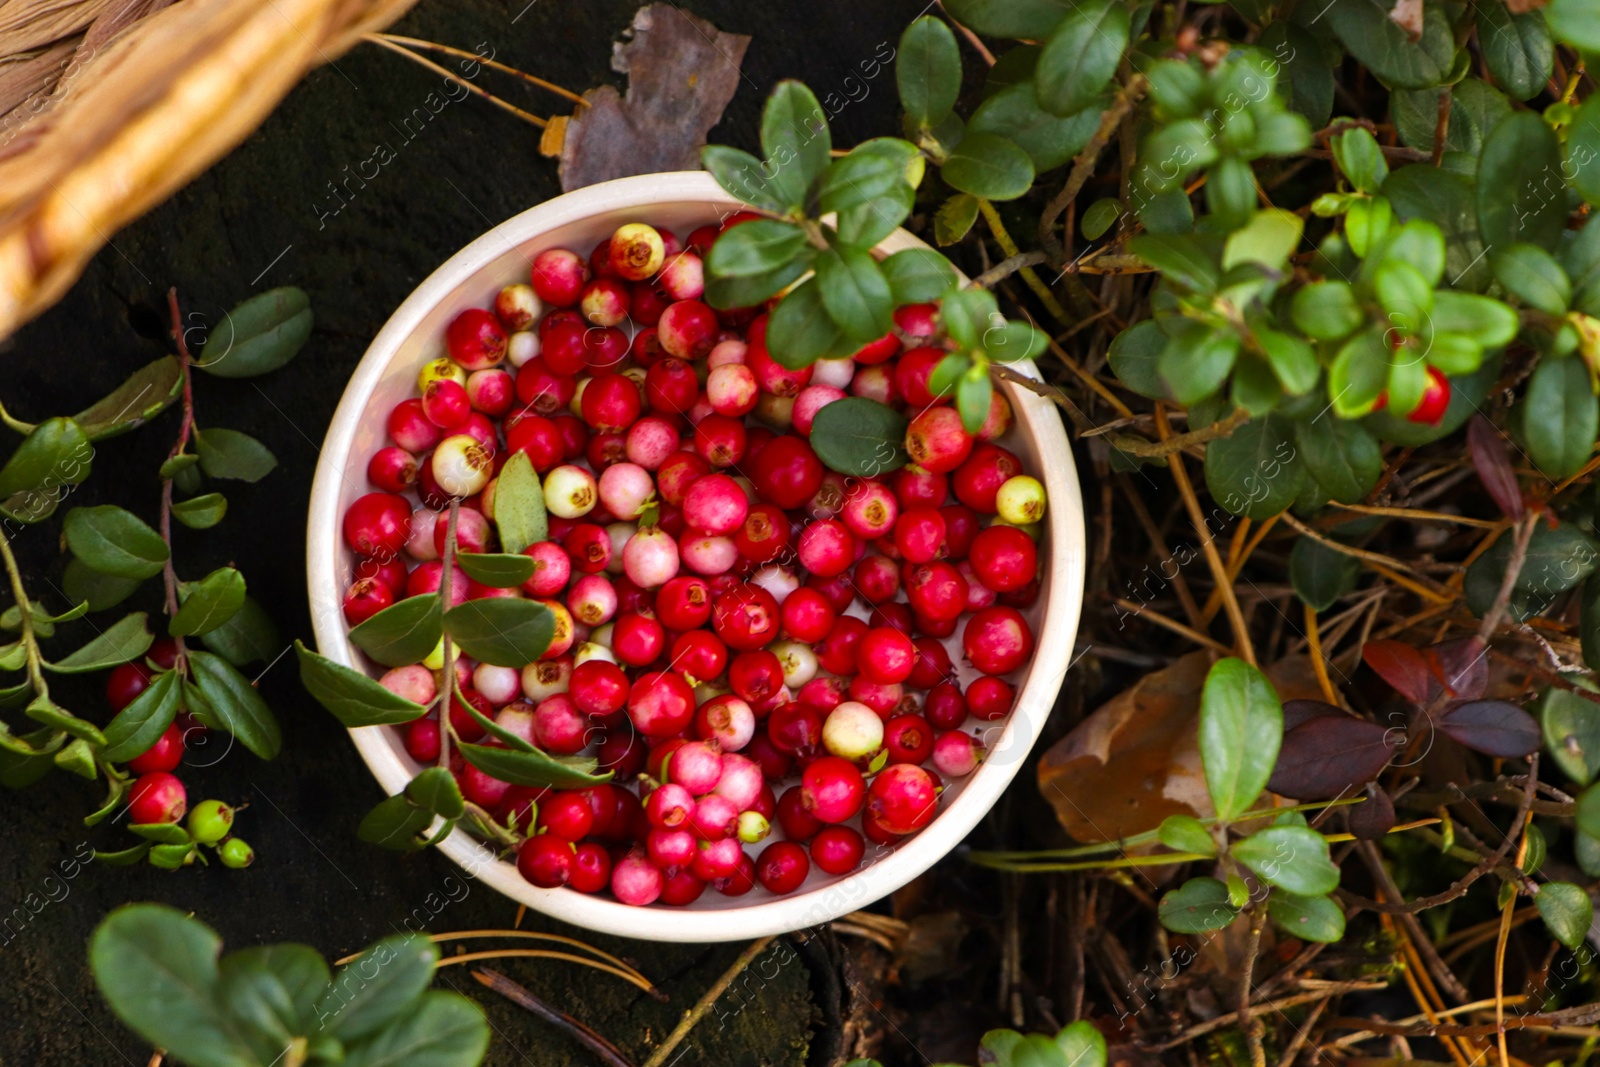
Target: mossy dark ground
x,y
252,222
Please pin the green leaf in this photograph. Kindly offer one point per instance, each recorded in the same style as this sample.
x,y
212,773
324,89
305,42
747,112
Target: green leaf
x,y
859,437
498,569
855,292
1560,417
237,706
1320,575
1366,30
989,166
1241,727
209,603
1556,561
83,584
395,823
1198,906
377,988
1533,276
533,768
745,177
1082,1045
124,640
795,138
1327,310
1576,22
1195,371
44,710
1181,258
1342,456
1308,89
350,696
1050,140
1447,200
126,857
1294,858
259,335
1359,374
435,790
917,275
141,724
1256,470
505,632
201,512
1100,217
77,757
1359,157
967,313
114,541
1269,238
800,330
1081,55
1293,360
954,218
249,636
163,833
1589,621
157,969
55,454
1010,340
927,69
1476,108
1588,811
145,394
270,993
404,633
1583,149
759,246
1010,18
1185,833
1572,731
973,395
519,512
441,1029
1308,918
1517,49
1513,203
1488,321
1567,912
231,454
1135,358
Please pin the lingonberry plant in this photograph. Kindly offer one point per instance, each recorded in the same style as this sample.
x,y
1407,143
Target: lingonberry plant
x,y
164,693
1076,1045
164,975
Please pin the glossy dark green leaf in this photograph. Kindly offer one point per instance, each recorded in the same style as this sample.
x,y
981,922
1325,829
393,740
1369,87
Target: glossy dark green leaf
x,y
143,396
404,633
1517,49
1359,374
1292,858
259,335
1557,559
377,988
124,640
1241,728
745,177
855,292
1010,18
1589,622
1567,912
1012,340
1081,55
1448,201
1576,22
157,969
519,511
800,330
1100,217
505,632
1320,575
1308,87
114,541
1198,906
125,857
1364,27
1513,203
139,725
973,395
77,757
759,246
201,512
498,569
440,1029
1359,157
795,138
162,833
860,437
1185,833
533,768
967,313
236,704
989,166
1342,456
249,636
395,823
435,790
1257,470
1560,417
231,454
927,69
270,992
917,275
1315,918
209,603
1181,258
1050,140
1476,108
1583,151
1195,366
350,696
55,455
44,710
1533,276
1135,358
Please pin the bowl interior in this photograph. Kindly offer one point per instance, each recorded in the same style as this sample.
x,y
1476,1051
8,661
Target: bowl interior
x,y
387,375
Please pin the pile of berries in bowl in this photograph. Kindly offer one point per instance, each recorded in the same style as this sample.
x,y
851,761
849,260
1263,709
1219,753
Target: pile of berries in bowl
x,y
788,671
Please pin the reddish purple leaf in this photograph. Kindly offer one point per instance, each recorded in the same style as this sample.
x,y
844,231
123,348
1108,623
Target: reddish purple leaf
x,y
1493,727
1330,755
1373,818
1461,667
1399,664
1296,712
1494,466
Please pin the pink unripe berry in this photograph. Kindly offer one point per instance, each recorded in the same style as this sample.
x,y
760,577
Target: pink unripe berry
x,y
409,427
558,275
683,277
852,731
499,685
709,556
650,558
715,817
827,548
661,704
956,755
726,353
545,679
687,329
604,301
728,721
472,531
718,859
635,880
625,489
650,442
715,505
415,683
937,441
741,780
516,307
696,766
780,581
552,568
491,391
812,399
592,600
669,806
731,390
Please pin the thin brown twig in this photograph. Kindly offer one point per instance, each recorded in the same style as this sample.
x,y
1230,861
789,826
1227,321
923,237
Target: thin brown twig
x,y
1294,1000
531,79
523,998
1508,582
1248,1022
526,116
703,1005
1007,267
1083,166
1137,446
1169,623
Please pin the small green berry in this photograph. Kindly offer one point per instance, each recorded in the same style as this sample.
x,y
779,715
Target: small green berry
x,y
210,821
235,853
1021,500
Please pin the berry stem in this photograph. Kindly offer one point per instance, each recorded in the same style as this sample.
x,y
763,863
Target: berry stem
x,y
30,640
169,574
14,422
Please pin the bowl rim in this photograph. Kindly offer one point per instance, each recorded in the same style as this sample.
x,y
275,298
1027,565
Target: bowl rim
x,y
1035,699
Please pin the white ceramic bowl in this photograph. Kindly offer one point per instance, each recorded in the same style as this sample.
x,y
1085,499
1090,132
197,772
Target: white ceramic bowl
x,y
387,375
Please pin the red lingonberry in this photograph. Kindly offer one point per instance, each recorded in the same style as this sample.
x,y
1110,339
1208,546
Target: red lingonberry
x,y
156,797
782,867
997,640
